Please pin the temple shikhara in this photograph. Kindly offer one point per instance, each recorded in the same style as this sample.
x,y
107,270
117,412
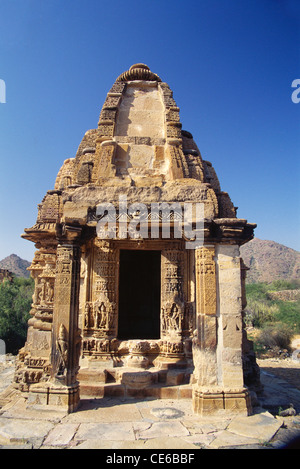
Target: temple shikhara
x,y
141,313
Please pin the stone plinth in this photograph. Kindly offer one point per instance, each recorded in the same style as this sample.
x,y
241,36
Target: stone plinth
x,y
212,401
49,396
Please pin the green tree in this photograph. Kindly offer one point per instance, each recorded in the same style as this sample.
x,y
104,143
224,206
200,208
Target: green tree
x,y
15,304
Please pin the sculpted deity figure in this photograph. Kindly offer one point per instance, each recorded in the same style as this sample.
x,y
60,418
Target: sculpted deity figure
x,y
62,347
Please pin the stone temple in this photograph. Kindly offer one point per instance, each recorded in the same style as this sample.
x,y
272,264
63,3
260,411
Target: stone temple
x,y
124,303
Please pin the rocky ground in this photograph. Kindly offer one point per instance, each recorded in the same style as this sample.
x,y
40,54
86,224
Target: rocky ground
x,y
286,369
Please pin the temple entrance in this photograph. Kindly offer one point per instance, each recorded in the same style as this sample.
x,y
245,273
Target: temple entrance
x,y
139,295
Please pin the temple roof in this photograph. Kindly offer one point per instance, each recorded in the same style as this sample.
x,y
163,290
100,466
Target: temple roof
x,y
140,129
138,149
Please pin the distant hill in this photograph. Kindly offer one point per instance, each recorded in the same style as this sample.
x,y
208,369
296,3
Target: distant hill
x,y
16,265
269,261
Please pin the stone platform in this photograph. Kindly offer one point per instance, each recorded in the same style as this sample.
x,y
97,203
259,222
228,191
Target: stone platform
x,y
126,382
116,423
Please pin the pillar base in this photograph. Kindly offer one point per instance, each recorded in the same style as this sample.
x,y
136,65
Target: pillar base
x,y
217,400
54,396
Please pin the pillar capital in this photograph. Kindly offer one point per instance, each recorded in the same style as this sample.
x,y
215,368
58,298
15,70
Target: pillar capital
x,y
68,234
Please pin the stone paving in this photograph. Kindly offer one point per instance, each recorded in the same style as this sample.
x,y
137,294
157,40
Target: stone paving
x,y
113,424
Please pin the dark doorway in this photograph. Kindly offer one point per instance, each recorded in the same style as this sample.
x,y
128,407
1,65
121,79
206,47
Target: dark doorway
x,y
139,295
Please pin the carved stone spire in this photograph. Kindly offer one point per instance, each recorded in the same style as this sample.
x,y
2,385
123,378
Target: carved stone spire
x,y
138,72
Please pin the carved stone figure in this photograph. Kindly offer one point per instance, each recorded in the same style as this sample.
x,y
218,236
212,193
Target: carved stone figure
x,y
62,347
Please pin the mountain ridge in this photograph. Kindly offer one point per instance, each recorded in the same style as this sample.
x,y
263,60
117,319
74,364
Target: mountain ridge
x,y
16,265
269,261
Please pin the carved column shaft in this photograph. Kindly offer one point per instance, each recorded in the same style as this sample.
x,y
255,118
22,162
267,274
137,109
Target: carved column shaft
x,y
172,302
65,336
217,348
205,342
230,308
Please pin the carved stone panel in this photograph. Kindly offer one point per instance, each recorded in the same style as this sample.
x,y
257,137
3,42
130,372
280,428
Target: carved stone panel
x,y
43,271
205,281
172,300
100,315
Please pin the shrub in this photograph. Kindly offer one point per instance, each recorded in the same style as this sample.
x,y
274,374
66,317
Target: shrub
x,y
262,307
289,313
276,337
279,285
257,291
258,312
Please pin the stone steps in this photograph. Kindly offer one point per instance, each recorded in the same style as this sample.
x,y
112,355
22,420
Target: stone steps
x,y
157,391
136,383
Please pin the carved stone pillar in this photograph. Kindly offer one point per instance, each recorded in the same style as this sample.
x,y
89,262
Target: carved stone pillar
x,y
217,347
62,389
100,308
205,340
230,308
172,304
32,365
236,395
64,355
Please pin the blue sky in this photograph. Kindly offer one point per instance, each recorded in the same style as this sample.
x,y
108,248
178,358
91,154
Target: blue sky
x,y
230,64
